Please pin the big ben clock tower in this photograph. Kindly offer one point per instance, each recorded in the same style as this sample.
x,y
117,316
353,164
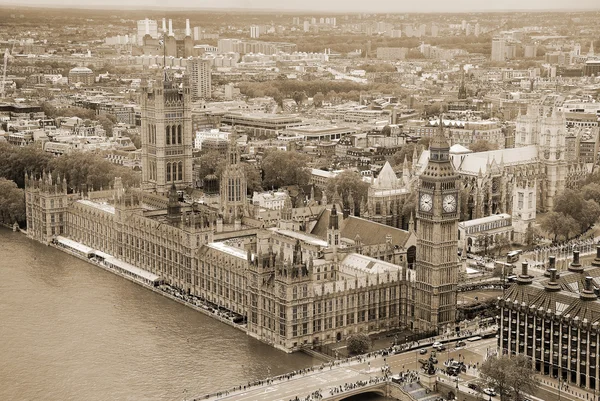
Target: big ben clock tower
x,y
437,239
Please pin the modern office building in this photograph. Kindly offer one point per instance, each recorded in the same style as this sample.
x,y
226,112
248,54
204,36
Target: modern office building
x,y
199,70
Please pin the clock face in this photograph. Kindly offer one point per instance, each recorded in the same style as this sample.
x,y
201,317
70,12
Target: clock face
x,y
449,203
426,202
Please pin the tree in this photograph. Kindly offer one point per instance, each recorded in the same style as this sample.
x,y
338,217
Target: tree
x,y
509,375
406,151
14,161
107,125
318,99
281,168
558,224
12,202
358,343
386,131
211,162
424,142
482,145
572,203
346,183
298,97
253,179
591,191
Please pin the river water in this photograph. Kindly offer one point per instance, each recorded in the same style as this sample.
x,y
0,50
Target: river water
x,y
72,331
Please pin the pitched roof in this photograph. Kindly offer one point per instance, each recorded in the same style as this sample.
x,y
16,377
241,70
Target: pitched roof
x,y
370,232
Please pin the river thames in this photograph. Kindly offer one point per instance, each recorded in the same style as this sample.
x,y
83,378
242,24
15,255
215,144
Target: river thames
x,y
72,331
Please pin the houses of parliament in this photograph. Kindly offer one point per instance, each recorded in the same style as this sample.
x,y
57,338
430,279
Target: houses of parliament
x,y
294,284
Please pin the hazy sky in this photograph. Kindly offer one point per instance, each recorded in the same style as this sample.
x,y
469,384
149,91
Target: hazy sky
x,y
339,6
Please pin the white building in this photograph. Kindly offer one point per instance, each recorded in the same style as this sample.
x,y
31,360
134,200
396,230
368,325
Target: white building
x,y
486,233
254,31
146,27
270,200
201,136
200,78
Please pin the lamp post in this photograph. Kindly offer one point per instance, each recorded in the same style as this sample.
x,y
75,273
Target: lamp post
x,y
558,388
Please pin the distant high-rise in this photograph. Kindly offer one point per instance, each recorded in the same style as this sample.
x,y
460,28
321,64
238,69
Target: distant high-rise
x,y
435,30
477,29
200,78
306,26
254,31
146,27
468,30
197,33
498,49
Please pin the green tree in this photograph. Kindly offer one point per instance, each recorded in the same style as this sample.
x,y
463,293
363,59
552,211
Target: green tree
x,y
509,375
281,168
12,202
358,343
386,131
348,182
424,142
482,145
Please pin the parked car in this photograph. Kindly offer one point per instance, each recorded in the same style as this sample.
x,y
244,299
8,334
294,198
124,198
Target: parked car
x,y
489,391
423,351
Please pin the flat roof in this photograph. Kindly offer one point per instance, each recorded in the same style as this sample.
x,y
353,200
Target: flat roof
x,y
228,249
309,239
102,206
74,244
483,220
131,268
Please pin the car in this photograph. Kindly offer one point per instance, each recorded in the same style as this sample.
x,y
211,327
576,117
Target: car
x,y
437,344
474,386
433,360
423,351
489,391
460,344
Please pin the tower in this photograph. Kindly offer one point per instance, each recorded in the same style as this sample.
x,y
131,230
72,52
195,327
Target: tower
x,y
437,239
166,136
333,230
234,205
552,151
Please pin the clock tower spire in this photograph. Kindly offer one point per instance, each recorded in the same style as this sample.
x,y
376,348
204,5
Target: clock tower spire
x,y
437,239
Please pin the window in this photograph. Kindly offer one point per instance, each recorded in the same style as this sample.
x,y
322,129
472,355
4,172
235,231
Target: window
x,y
530,200
168,172
179,141
180,171
168,134
521,198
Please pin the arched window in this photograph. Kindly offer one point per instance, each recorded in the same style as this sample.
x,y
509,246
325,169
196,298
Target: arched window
x,y
180,171
179,141
168,134
168,172
173,135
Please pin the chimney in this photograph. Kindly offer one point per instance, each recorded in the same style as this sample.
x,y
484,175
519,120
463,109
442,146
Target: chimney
x,y
188,31
147,26
552,284
164,25
170,27
588,293
575,266
596,262
524,278
551,265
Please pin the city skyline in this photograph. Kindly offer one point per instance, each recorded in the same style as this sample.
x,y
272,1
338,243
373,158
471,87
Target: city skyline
x,y
339,6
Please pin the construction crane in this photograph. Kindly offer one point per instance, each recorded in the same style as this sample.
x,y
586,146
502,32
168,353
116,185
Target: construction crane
x,y
3,82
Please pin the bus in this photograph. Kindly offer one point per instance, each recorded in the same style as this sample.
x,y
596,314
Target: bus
x,y
513,256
